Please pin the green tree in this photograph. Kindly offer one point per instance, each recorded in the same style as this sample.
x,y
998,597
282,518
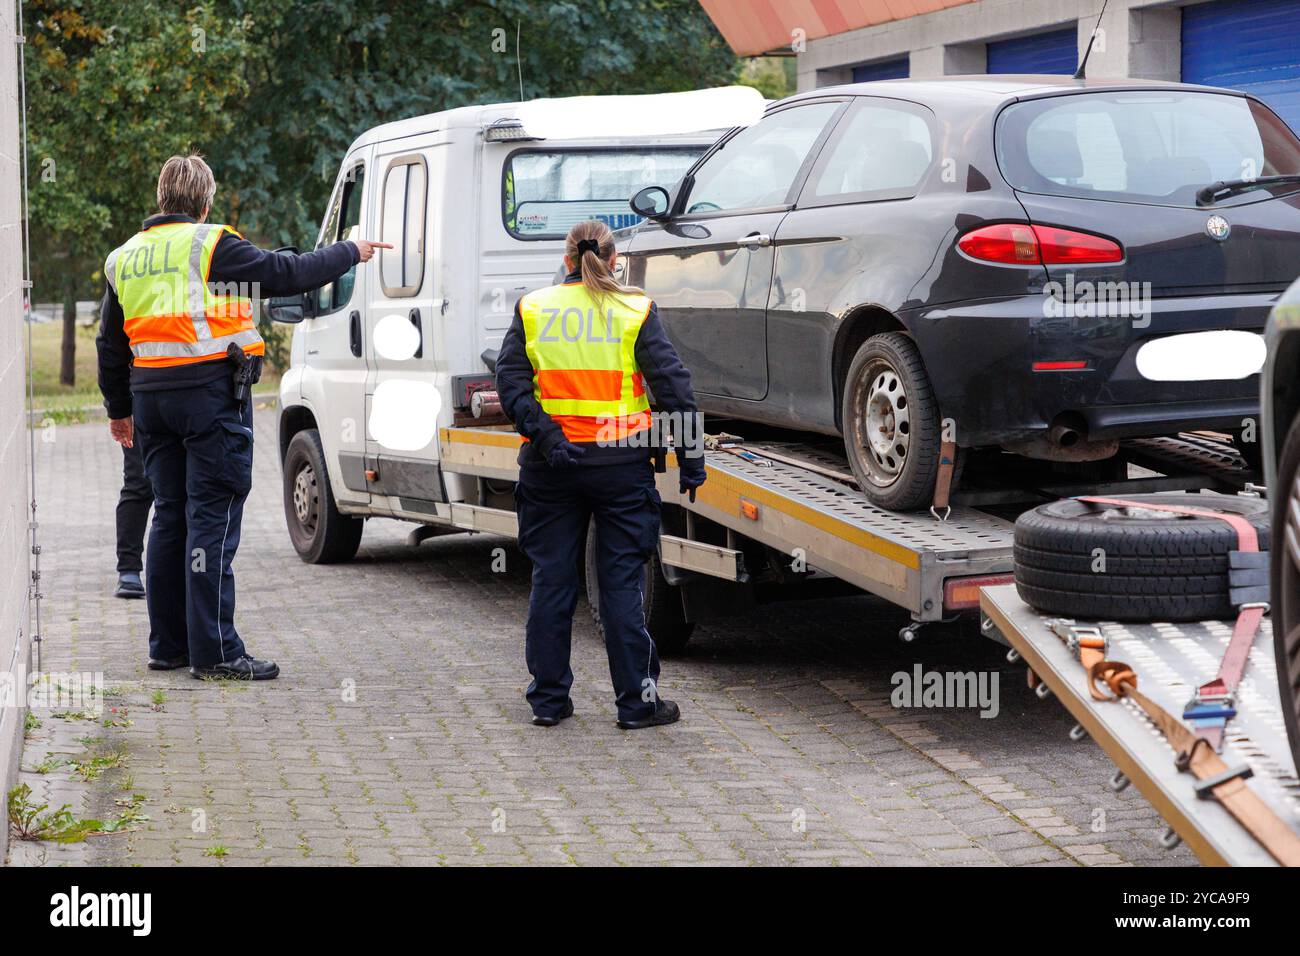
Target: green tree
x,y
113,89
324,71
273,92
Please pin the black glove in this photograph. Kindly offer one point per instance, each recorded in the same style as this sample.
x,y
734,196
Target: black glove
x,y
564,454
691,475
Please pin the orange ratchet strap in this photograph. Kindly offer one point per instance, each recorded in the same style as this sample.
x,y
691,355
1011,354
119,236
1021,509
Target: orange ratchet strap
x,y
1214,702
1110,680
943,481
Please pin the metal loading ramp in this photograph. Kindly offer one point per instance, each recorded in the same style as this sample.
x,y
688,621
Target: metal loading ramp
x,y
903,558
1170,660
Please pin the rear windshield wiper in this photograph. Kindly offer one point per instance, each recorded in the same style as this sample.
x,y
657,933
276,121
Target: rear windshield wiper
x,y
1212,193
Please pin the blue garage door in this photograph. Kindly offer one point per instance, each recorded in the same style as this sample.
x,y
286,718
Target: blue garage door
x,y
1055,52
884,70
1251,45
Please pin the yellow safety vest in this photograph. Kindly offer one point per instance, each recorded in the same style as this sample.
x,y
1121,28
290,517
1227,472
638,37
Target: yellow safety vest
x,y
173,317
583,353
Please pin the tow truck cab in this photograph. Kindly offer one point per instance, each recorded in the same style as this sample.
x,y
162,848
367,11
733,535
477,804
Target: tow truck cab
x,y
477,208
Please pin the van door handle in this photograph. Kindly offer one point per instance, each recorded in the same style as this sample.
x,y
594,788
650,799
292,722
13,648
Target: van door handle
x,y
354,333
419,327
754,240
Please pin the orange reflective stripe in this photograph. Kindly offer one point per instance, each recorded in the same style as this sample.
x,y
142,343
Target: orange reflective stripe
x,y
638,384
581,383
175,327
606,430
237,318
166,361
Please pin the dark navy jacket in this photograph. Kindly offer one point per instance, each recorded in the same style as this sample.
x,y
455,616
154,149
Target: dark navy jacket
x,y
233,260
668,378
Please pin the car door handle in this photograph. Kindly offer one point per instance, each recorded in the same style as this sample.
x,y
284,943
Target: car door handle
x,y
754,240
419,327
354,333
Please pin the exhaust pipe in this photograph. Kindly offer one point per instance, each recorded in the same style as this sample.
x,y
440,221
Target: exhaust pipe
x,y
1063,436
1066,439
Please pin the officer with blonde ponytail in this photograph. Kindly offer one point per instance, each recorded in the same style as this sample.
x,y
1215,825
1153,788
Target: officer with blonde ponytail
x,y
572,375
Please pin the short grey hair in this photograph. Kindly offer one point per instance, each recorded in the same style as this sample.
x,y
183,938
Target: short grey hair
x,y
186,186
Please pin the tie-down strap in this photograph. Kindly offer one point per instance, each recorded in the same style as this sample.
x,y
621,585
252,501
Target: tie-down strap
x,y
1110,680
1214,702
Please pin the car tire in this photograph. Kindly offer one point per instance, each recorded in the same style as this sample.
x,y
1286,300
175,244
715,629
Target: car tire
x,y
665,617
1285,584
1103,563
891,423
321,534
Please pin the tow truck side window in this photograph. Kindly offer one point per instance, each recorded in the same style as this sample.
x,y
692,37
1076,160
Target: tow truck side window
x,y
344,216
402,212
544,192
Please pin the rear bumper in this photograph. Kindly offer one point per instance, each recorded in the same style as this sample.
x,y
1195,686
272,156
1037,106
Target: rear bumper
x,y
981,356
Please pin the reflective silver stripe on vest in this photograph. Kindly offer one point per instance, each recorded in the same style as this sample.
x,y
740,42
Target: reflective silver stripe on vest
x,y
110,269
209,346
197,287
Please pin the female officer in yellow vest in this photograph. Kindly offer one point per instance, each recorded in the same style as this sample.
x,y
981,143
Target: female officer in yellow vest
x,y
572,375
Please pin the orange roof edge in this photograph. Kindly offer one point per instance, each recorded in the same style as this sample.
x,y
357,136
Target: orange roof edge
x,y
754,27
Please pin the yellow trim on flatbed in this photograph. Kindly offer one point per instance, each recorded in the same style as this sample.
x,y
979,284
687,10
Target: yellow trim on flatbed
x,y
724,491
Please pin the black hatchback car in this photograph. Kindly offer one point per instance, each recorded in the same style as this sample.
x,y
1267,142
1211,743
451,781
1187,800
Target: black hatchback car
x,y
1002,261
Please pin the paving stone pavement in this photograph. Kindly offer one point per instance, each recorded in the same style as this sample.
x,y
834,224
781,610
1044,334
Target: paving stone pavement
x,y
398,732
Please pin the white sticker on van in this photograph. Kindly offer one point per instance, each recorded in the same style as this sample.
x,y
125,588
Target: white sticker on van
x,y
652,114
404,414
1202,356
396,338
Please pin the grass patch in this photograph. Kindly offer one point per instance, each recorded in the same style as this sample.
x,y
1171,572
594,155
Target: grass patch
x,y
47,349
93,768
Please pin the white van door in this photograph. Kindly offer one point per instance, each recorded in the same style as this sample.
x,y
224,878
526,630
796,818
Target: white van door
x,y
335,372
404,308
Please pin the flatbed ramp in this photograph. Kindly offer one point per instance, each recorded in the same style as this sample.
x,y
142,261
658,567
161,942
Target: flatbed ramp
x,y
903,558
1170,661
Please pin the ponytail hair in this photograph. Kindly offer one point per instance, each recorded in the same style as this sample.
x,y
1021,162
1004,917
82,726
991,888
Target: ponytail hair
x,y
590,246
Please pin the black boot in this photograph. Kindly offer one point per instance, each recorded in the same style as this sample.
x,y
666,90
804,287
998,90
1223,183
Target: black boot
x,y
666,713
243,668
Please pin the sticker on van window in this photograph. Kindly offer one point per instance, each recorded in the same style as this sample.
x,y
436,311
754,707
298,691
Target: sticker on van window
x,y
556,218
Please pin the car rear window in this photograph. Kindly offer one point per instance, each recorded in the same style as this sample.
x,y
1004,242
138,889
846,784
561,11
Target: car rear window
x,y
1153,146
545,192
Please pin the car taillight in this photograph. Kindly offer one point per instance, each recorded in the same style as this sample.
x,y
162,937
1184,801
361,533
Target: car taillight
x,y
1004,242
1019,243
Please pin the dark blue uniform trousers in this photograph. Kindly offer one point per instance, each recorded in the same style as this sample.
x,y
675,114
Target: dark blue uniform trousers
x,y
133,506
198,454
554,508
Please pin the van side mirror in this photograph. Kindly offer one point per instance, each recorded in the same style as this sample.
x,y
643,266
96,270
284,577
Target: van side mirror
x,y
651,203
290,309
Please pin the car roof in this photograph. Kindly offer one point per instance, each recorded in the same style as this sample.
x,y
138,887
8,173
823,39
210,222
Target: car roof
x,y
995,88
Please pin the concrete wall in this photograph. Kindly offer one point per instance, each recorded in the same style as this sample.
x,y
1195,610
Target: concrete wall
x,y
1139,38
14,551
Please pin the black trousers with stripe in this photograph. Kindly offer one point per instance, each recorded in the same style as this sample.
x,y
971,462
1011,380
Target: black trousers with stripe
x,y
198,453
